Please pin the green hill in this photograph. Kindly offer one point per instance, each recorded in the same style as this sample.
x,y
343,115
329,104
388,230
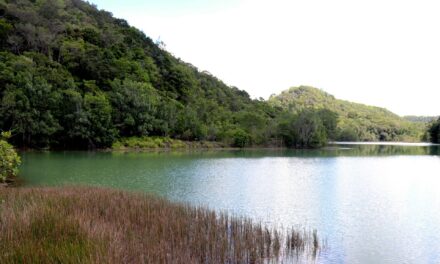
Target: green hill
x,y
73,76
356,121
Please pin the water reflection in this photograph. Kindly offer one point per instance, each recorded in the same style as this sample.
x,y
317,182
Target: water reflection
x,y
333,150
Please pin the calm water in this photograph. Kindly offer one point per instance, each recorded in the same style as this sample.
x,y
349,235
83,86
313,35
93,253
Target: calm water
x,y
373,204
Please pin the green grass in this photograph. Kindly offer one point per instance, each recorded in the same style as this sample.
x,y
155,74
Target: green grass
x,y
162,143
90,225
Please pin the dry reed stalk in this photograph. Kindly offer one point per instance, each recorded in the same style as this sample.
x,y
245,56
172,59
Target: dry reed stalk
x,y
92,225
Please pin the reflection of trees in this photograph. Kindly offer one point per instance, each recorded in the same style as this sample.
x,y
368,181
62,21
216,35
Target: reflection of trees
x,y
434,150
330,151
343,150
379,150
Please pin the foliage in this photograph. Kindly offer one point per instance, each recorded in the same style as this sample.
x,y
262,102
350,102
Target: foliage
x,y
9,159
356,121
308,128
72,76
434,132
155,142
239,138
148,142
348,134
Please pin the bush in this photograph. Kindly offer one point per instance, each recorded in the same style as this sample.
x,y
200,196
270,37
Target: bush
x,y
148,143
240,138
348,134
9,160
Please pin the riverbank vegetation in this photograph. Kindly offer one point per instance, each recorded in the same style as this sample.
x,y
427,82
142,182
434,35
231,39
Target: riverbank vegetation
x,y
133,143
89,225
9,160
75,77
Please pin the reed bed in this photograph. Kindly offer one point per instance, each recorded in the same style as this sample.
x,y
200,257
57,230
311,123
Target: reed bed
x,y
92,225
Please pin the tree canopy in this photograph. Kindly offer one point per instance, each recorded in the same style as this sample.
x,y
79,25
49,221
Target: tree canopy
x,y
357,122
9,159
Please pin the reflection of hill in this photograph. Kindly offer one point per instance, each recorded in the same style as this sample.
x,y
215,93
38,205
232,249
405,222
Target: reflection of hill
x,y
386,150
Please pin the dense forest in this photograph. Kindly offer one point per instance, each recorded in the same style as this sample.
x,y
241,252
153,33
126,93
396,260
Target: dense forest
x,y
434,132
73,76
357,122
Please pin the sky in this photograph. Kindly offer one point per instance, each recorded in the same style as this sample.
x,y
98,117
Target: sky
x,y
378,52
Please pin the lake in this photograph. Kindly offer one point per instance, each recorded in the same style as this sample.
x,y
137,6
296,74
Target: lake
x,y
371,203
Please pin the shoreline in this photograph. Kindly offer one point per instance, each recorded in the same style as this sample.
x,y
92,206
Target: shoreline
x,y
196,147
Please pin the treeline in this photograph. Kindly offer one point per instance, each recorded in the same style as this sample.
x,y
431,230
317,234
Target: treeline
x,y
434,132
72,76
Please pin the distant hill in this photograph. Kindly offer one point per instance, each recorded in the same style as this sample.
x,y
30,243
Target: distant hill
x,y
420,119
356,121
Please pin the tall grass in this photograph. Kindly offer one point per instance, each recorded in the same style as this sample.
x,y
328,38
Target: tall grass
x,y
90,225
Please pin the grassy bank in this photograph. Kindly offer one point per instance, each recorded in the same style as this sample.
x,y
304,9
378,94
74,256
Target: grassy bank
x,y
140,143
89,225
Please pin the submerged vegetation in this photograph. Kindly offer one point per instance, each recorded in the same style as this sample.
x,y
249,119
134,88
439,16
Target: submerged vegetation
x,y
73,76
89,225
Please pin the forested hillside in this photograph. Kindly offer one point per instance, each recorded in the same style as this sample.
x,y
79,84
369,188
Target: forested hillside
x,y
73,76
356,121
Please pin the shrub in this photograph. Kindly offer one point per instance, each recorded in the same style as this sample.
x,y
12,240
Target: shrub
x,y
148,143
348,134
9,160
240,138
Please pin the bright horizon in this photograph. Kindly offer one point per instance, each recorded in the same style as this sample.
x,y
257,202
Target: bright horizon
x,y
382,53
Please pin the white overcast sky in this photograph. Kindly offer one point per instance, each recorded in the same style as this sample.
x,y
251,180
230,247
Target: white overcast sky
x,y
379,52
